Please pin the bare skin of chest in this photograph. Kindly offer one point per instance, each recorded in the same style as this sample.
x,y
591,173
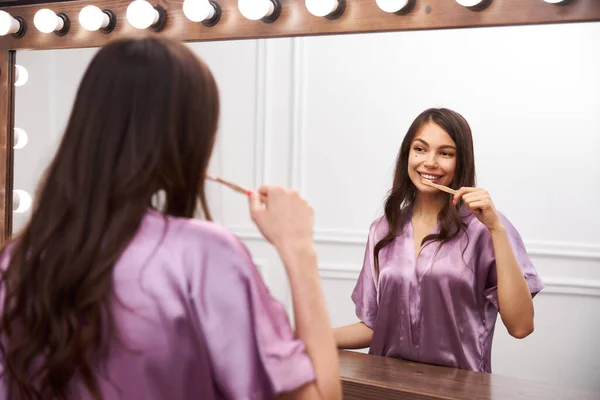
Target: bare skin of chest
x,y
421,228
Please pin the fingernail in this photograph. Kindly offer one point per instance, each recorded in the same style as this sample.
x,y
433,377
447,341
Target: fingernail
x,y
453,202
249,193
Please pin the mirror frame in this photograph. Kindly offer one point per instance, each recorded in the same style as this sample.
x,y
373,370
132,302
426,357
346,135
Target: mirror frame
x,y
360,16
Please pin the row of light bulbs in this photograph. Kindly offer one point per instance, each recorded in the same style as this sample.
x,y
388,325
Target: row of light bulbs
x,y
142,15
21,199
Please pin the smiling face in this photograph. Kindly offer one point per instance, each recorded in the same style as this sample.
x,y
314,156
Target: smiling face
x,y
432,156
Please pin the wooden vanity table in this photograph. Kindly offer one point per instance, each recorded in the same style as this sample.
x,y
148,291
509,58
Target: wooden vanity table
x,y
369,377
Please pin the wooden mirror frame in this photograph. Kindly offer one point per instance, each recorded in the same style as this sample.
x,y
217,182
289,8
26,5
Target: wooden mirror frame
x,y
360,16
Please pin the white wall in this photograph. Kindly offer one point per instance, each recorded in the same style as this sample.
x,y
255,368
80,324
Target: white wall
x,y
326,115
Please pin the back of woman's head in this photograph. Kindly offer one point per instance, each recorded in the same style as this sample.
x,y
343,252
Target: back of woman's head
x,y
144,121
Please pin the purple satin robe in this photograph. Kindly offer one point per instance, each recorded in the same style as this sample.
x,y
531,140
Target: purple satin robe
x,y
439,308
197,321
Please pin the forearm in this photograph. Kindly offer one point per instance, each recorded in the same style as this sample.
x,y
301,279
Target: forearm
x,y
514,299
355,336
312,320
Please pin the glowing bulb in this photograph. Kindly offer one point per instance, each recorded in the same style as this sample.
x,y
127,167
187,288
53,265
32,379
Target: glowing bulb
x,y
324,8
256,9
92,18
21,75
199,10
8,24
142,15
21,201
393,6
471,3
20,139
46,21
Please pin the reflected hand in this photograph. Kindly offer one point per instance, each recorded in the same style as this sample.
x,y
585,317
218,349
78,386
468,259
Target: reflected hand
x,y
479,202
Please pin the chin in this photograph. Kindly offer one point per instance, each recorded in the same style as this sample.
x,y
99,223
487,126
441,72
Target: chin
x,y
426,189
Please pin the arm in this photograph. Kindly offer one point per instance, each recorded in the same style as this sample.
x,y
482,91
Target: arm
x,y
364,296
286,220
514,299
514,294
355,336
312,324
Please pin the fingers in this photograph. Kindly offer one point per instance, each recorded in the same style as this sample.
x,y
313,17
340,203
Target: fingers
x,y
264,190
460,193
469,193
479,205
272,191
256,205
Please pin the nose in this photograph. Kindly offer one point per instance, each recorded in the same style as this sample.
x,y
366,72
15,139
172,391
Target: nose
x,y
431,161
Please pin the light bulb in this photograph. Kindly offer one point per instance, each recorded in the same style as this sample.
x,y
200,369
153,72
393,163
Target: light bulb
x,y
326,8
473,3
92,19
20,138
205,11
21,201
9,24
258,9
21,75
142,15
393,6
46,21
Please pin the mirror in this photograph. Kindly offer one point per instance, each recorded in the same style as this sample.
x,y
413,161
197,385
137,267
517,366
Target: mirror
x,y
326,115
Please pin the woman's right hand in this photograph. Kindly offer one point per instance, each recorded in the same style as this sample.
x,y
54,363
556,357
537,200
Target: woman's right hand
x,y
283,217
286,220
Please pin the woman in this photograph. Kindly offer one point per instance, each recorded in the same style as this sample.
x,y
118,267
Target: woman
x,y
109,295
438,267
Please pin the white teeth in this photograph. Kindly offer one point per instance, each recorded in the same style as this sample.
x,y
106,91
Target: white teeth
x,y
430,177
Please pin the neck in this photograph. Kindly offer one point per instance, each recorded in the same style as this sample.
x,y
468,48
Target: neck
x,y
428,207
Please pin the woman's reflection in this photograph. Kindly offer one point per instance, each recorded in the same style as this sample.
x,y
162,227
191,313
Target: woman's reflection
x,y
439,267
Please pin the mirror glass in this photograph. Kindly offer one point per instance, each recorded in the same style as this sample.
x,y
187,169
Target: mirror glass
x,y
326,115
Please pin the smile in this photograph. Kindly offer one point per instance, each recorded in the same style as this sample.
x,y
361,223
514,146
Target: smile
x,y
429,176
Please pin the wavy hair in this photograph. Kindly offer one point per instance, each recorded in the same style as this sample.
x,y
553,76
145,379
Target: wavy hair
x,y
402,195
143,122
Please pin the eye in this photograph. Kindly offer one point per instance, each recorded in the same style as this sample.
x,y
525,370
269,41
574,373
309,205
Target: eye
x,y
447,154
418,149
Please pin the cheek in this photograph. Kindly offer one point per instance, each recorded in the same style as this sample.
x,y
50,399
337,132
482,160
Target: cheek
x,y
414,160
449,166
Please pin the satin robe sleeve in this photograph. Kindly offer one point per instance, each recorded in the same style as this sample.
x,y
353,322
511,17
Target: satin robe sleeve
x,y
534,282
254,353
364,294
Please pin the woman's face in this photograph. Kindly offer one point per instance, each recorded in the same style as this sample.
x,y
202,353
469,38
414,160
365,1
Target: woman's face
x,y
432,156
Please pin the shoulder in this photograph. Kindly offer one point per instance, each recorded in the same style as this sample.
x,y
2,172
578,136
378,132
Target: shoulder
x,y
209,233
378,228
197,238
6,253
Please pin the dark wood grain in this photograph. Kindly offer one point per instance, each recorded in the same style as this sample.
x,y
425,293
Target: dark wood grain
x,y
360,16
382,378
7,66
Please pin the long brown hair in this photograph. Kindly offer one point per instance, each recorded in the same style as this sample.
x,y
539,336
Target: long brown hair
x,y
144,122
402,195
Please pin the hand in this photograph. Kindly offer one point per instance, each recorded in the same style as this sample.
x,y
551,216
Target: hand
x,y
283,217
479,202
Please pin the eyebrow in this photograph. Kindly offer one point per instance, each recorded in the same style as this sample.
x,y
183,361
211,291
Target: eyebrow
x,y
446,146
